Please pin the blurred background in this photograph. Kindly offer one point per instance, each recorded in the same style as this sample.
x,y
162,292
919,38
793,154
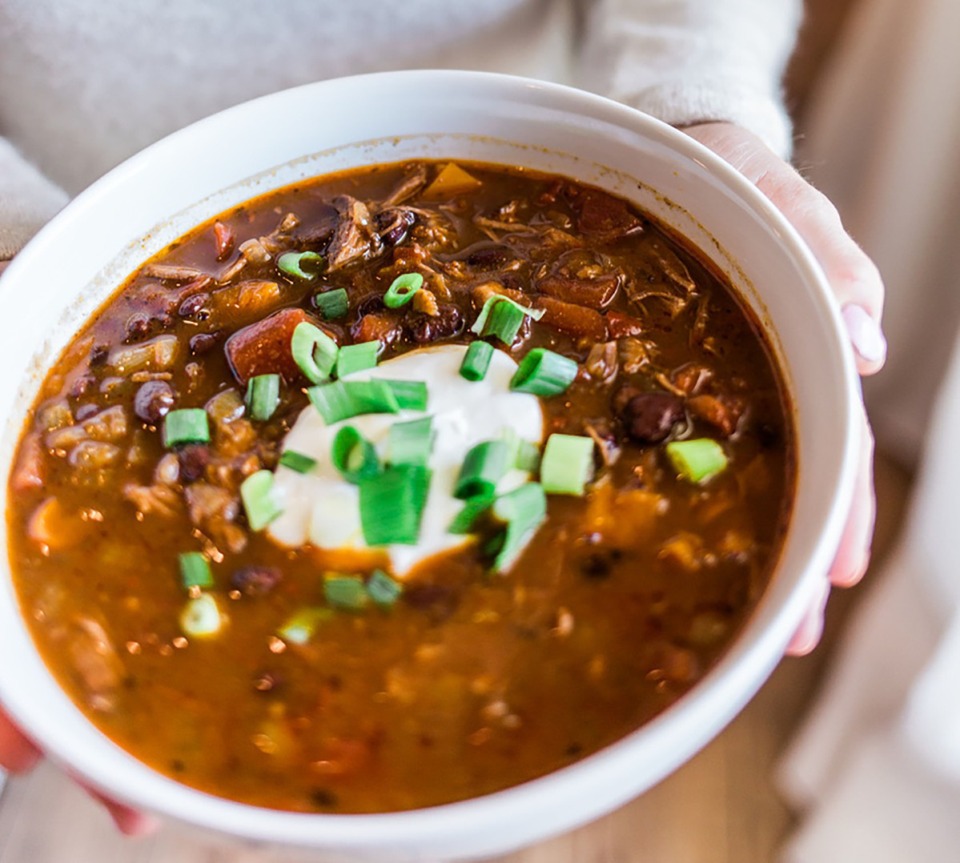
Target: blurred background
x,y
724,805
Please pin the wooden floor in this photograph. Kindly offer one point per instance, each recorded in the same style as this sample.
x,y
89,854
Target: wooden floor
x,y
719,808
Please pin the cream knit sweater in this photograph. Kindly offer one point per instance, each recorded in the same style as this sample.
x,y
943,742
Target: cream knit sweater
x,y
85,83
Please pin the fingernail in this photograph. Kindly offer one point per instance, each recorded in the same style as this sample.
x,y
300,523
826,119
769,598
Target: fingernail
x,y
865,334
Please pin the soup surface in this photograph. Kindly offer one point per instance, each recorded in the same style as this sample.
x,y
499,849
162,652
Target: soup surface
x,y
242,569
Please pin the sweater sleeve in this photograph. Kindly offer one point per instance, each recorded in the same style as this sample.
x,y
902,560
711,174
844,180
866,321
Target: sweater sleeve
x,y
28,200
689,61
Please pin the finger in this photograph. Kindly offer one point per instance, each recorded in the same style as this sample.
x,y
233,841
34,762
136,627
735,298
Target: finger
x,y
131,822
853,554
807,636
853,277
17,753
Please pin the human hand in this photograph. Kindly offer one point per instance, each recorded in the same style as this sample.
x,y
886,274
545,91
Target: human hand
x,y
858,289
18,754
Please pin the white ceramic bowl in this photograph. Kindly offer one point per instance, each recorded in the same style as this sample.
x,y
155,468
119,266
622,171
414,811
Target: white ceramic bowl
x,y
77,261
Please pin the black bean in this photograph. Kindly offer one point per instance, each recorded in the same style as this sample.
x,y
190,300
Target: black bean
x,y
194,458
137,327
82,386
194,307
203,343
425,328
493,257
98,355
153,401
370,305
255,580
438,600
394,224
84,412
650,417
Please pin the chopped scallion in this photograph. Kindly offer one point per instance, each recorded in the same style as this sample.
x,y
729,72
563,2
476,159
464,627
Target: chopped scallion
x,y
524,454
195,570
297,461
356,358
201,617
186,425
567,464
256,494
483,467
524,510
410,442
402,289
341,400
263,396
410,395
292,263
391,505
504,322
353,455
313,351
480,324
696,460
544,373
383,590
473,508
345,591
476,361
332,304
302,625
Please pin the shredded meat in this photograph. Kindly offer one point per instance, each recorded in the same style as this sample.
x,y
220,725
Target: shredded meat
x,y
355,238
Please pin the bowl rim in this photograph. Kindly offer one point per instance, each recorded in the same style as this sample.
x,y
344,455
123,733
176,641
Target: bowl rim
x,y
758,646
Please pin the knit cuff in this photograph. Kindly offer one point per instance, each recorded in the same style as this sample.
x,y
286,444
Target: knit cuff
x,y
28,200
689,103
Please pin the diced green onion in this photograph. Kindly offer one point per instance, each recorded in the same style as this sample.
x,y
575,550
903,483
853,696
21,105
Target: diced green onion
x,y
544,373
473,508
480,325
291,263
476,361
332,304
345,591
503,322
195,570
483,467
391,505
383,590
524,509
696,460
186,425
263,396
356,358
302,625
342,400
402,289
313,351
410,442
297,461
524,454
201,617
258,502
567,464
353,455
410,395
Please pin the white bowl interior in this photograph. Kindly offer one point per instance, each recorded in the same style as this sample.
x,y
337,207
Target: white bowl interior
x,y
80,258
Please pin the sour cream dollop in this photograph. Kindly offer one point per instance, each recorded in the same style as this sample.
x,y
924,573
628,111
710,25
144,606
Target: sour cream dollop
x,y
321,508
